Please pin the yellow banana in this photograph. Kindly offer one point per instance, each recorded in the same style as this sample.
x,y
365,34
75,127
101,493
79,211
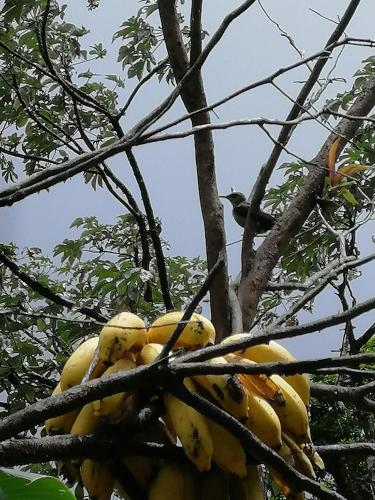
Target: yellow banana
x,y
191,429
78,363
228,452
214,485
301,461
86,421
237,488
227,390
293,455
263,421
293,415
317,460
141,468
261,384
254,484
268,353
62,423
198,332
191,482
286,453
97,480
70,471
111,407
168,484
289,493
169,428
149,353
124,332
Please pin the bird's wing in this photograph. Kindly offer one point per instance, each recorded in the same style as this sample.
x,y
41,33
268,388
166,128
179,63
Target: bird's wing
x,y
242,209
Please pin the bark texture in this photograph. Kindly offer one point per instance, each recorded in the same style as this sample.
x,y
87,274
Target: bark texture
x,y
193,96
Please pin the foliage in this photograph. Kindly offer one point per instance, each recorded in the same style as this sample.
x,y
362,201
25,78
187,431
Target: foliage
x,y
17,485
54,106
100,268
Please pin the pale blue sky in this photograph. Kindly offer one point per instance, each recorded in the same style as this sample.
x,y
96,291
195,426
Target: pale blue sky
x,y
251,49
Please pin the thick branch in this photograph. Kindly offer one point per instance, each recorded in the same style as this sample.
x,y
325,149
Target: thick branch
x,y
280,333
195,30
193,96
185,369
254,446
364,338
95,446
265,173
359,450
76,397
254,283
352,395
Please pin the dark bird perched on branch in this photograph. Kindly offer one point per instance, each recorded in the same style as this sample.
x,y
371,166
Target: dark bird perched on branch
x,y
263,221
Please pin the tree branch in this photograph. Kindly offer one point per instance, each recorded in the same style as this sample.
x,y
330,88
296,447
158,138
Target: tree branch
x,y
364,338
154,232
280,333
254,283
254,446
191,308
95,446
265,173
78,396
138,86
359,450
352,395
195,30
193,96
16,154
185,369
47,293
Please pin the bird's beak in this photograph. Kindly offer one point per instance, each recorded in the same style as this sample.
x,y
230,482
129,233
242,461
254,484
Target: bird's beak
x,y
222,196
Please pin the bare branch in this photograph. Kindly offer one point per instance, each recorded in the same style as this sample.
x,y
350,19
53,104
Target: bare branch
x,y
78,396
144,80
195,30
181,368
95,446
315,285
254,446
154,231
365,337
359,450
265,173
16,154
263,81
351,395
191,308
254,283
280,333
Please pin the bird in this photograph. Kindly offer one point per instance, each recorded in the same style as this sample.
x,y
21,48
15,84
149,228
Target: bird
x,y
263,221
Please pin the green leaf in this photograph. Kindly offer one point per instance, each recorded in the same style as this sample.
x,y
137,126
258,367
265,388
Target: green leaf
x,y
17,485
86,74
349,196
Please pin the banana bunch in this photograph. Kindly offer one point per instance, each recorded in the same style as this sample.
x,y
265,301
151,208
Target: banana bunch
x,y
273,408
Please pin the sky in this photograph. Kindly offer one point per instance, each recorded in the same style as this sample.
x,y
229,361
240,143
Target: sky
x,y
251,49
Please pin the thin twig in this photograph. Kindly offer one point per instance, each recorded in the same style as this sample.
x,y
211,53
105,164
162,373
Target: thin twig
x,y
191,308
